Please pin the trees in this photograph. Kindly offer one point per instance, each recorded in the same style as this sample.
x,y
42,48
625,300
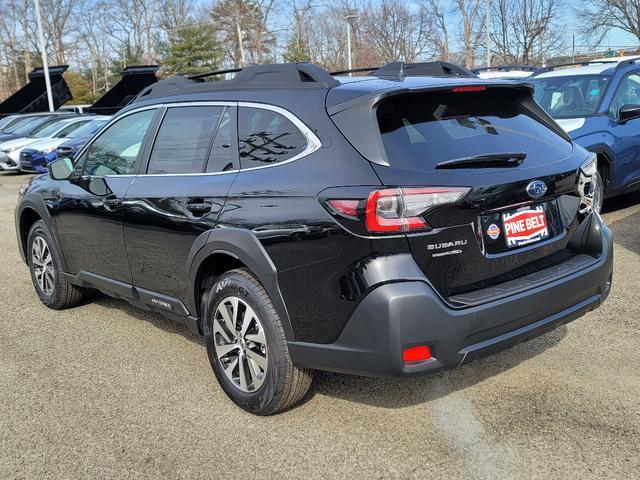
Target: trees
x,y
100,37
601,15
437,20
296,51
471,29
241,28
525,31
393,31
192,49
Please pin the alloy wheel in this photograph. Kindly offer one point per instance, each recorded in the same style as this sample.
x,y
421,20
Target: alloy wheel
x,y
240,344
43,268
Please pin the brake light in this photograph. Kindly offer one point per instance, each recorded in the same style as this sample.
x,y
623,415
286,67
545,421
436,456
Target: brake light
x,y
416,354
469,88
402,209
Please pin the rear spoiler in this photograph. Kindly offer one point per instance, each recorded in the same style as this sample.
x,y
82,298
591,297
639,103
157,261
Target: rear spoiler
x,y
357,120
393,91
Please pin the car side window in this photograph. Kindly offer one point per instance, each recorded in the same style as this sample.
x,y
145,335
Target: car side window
x,y
266,137
116,150
628,93
223,151
184,140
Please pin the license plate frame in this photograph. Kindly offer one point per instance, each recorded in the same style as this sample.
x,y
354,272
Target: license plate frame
x,y
525,226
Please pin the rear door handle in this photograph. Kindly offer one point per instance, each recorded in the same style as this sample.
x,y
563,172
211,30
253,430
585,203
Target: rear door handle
x,y
198,206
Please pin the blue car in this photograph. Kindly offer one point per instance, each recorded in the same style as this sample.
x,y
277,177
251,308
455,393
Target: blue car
x,y
598,105
34,161
81,136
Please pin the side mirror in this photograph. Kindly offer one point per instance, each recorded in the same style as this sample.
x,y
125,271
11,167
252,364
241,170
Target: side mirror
x,y
61,169
628,112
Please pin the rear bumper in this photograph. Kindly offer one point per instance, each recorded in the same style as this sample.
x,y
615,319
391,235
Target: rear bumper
x,y
396,316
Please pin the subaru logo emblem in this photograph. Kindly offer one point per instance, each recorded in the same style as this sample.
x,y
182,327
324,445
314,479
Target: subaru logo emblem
x,y
536,189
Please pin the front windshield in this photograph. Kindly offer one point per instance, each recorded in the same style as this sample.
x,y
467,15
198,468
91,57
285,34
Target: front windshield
x,y
571,96
88,129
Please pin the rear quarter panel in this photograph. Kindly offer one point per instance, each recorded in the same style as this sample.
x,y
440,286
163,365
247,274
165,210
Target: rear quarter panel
x,y
310,251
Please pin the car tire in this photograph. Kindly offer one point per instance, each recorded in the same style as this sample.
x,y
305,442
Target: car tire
x,y
45,266
249,356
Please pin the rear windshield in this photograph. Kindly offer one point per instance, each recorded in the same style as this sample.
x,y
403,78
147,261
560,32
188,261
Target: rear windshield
x,y
571,96
424,129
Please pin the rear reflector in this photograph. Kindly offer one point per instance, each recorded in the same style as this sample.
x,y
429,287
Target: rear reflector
x,y
348,208
470,88
416,354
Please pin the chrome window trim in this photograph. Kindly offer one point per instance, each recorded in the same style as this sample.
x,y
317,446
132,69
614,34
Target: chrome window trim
x,y
313,142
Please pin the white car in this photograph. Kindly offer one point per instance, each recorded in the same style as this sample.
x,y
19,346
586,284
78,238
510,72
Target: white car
x,y
10,150
513,72
74,108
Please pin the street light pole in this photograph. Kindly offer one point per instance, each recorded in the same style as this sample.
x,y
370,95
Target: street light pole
x,y
346,18
45,64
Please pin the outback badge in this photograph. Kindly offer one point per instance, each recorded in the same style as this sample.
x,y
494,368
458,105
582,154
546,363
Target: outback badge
x,y
536,188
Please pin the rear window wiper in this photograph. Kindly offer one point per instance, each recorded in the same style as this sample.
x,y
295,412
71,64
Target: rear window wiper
x,y
488,160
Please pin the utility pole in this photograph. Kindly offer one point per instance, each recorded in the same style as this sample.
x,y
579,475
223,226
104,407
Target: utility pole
x,y
487,18
347,19
45,64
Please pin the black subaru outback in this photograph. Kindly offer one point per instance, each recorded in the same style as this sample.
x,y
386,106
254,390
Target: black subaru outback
x,y
392,224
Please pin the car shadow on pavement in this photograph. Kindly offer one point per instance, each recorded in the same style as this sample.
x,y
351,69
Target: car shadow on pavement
x,y
625,233
380,392
400,393
155,319
621,202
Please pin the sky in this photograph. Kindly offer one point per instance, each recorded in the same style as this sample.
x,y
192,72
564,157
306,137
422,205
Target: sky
x,y
616,38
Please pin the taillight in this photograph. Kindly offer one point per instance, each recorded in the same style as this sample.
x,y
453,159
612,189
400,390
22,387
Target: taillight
x,y
402,209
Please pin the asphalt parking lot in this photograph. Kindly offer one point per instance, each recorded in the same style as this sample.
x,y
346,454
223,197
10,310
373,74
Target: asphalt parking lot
x,y
107,391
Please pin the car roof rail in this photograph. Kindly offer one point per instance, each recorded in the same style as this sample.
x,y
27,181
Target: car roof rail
x,y
287,75
573,64
355,70
201,76
422,69
278,75
627,62
505,68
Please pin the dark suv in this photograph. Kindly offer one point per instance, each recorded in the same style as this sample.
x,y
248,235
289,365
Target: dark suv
x,y
391,224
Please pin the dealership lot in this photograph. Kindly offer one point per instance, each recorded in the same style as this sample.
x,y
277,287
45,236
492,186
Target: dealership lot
x,y
107,391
